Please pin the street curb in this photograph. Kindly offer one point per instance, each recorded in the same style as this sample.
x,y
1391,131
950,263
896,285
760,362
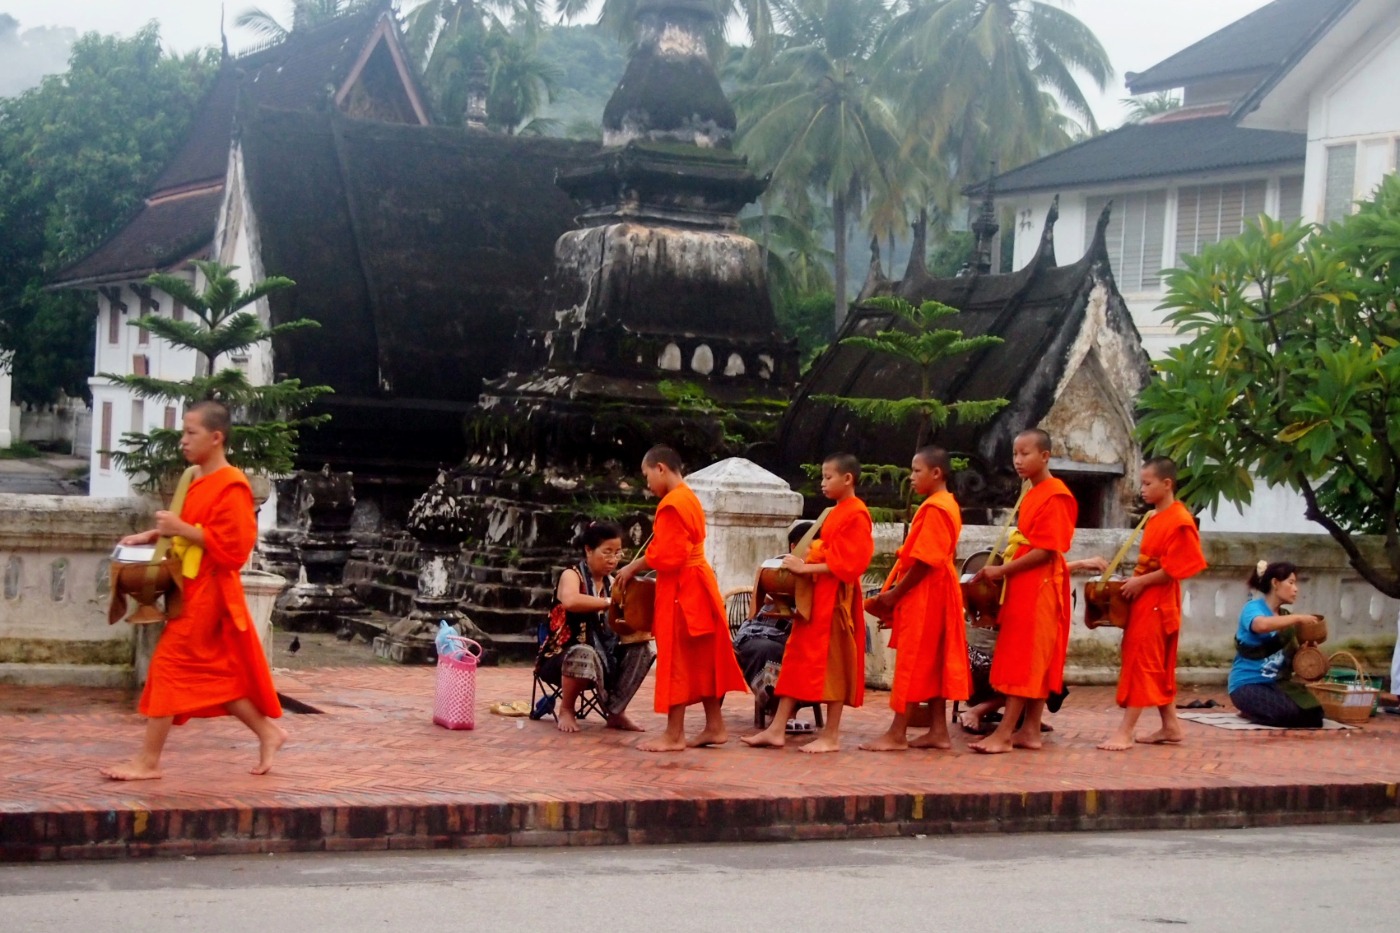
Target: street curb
x,y
131,833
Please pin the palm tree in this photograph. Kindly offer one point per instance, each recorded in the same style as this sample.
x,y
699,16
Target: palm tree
x,y
810,116
991,80
305,14
1142,108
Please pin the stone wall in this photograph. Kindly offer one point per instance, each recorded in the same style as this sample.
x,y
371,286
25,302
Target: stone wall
x,y
53,601
1359,618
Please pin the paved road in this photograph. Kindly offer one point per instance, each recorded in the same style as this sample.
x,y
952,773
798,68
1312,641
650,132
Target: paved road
x,y
1269,880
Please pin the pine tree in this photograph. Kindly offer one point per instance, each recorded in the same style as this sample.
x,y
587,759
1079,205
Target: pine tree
x,y
922,343
266,425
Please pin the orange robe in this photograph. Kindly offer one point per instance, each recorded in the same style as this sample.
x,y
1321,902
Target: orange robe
x,y
1029,660
694,656
928,633
210,655
824,659
1170,542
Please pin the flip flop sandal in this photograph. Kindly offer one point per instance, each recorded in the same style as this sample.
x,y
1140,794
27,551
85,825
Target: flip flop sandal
x,y
798,727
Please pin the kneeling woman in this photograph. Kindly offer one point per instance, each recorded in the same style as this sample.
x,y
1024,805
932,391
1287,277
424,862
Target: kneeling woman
x,y
583,651
1260,684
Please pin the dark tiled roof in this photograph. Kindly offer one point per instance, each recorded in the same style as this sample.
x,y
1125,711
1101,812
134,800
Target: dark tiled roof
x,y
1156,150
1038,311
159,236
417,248
302,73
1258,43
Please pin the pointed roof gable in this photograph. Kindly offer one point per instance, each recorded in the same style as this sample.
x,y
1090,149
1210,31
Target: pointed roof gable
x,y
312,70
1257,43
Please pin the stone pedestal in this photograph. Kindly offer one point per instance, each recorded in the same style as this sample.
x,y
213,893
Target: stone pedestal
x,y
747,514
318,602
437,521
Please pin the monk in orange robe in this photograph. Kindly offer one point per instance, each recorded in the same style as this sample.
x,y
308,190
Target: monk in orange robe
x,y
1170,552
1029,662
695,660
209,661
824,658
923,598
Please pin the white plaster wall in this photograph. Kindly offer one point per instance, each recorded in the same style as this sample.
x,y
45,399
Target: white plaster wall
x,y
1355,106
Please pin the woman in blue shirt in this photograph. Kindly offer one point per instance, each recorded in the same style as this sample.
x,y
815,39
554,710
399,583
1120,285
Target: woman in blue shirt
x,y
1260,679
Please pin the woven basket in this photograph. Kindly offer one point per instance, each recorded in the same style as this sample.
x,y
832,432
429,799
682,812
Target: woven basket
x,y
1349,703
1310,664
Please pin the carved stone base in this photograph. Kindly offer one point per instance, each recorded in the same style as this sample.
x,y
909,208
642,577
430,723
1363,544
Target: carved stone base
x,y
404,651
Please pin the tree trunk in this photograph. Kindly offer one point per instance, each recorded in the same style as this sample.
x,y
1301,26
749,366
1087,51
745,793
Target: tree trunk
x,y
838,223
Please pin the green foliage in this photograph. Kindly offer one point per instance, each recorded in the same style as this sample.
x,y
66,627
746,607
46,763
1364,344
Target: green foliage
x,y
77,154
1292,373
590,63
264,435
20,450
924,344
807,319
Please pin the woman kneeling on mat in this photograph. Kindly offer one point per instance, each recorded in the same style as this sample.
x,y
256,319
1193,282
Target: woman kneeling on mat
x,y
1260,684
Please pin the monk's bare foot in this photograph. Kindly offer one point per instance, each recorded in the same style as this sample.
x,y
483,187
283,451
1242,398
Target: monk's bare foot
x,y
268,744
623,723
567,722
933,738
1117,742
1027,740
662,743
888,742
992,745
1163,737
970,721
765,739
709,738
132,771
821,745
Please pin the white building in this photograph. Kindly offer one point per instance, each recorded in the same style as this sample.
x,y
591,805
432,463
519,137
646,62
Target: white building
x,y
1287,112
355,64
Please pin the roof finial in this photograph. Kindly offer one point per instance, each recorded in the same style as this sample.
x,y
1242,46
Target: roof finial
x,y
985,226
478,87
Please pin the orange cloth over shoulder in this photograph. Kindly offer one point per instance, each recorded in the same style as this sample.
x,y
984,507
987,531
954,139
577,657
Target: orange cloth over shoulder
x,y
928,633
210,655
1148,675
694,656
824,659
1029,660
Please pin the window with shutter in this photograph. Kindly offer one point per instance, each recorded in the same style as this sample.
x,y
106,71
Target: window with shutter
x,y
1340,188
105,461
1211,213
1135,236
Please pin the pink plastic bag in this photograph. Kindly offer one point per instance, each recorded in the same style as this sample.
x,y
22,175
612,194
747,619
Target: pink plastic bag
x,y
454,696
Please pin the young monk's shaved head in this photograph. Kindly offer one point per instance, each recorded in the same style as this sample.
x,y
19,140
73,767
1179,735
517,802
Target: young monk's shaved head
x,y
661,455
843,464
1040,438
935,458
1164,468
213,414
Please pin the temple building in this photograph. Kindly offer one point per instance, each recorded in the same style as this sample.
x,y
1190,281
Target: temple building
x,y
1070,361
354,66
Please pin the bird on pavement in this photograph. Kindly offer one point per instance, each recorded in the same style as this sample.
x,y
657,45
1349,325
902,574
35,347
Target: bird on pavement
x,y
295,646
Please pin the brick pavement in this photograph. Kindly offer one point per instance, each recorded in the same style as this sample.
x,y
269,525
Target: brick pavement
x,y
373,772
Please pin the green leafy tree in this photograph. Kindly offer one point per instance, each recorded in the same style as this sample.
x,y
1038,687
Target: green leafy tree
x,y
924,344
990,80
77,153
266,420
1291,373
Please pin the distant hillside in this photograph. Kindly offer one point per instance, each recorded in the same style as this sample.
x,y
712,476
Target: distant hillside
x,y
26,57
592,63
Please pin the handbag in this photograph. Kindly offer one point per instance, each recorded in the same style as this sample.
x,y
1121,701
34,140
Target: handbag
x,y
161,579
